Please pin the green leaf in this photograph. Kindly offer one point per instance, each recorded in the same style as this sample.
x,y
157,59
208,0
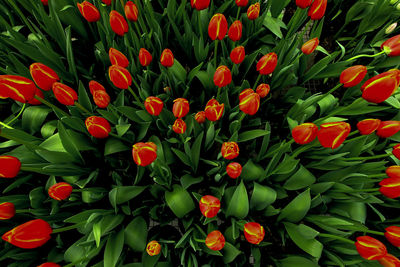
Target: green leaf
x,y
262,197
121,194
297,208
238,206
252,171
33,117
182,156
70,54
114,145
195,153
273,26
67,143
179,201
230,252
83,97
97,233
302,178
304,237
250,135
178,71
136,234
188,180
113,249
297,261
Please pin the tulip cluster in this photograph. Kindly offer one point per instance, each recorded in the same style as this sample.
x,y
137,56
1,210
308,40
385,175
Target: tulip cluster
x,y
372,249
390,187
180,109
317,9
100,96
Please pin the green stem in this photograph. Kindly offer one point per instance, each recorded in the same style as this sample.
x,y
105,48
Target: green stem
x,y
238,13
371,157
337,238
137,28
22,211
366,190
119,137
373,232
378,175
52,106
5,125
304,148
215,52
219,92
122,4
19,114
364,55
200,240
82,108
240,121
134,95
200,27
67,228
21,14
257,80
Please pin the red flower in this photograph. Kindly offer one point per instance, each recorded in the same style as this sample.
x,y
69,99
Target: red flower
x,y
380,87
389,261
180,107
267,63
98,127
60,191
250,104
144,153
304,133
145,57
167,58
309,46
222,76
153,105
254,232
107,2
333,134
353,75
16,87
50,264
209,206
230,150
45,2
200,4
215,240
234,170
131,11
245,93
117,58
263,90
317,9
43,76
393,171
238,54
369,248
217,27
7,210
118,23
179,126
153,248
31,234
390,187
253,11
101,98
235,31
89,11
64,94
34,101
396,151
388,128
214,110
303,3
95,86
392,45
119,76
241,3
9,166
368,126
200,117
392,234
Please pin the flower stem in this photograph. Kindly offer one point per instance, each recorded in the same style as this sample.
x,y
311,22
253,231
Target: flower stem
x,y
200,240
219,92
67,228
240,121
22,211
200,27
364,55
134,95
52,106
5,125
238,13
371,157
337,238
19,114
374,232
82,108
257,80
215,52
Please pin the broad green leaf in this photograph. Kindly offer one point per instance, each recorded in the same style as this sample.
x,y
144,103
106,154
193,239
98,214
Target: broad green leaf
x,y
121,194
252,171
179,201
136,234
230,252
251,135
304,237
113,249
300,179
262,197
33,118
297,208
238,205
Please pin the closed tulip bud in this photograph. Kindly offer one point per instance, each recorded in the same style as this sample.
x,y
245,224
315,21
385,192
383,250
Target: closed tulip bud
x,y
369,248
304,133
31,234
153,105
333,134
95,86
263,90
179,126
101,99
118,23
253,11
131,11
250,104
209,206
241,3
254,233
230,150
60,191
98,127
390,187
368,126
234,169
215,240
303,3
352,76
267,63
388,128
153,248
200,117
309,46
217,27
317,9
392,46
89,11
180,107
391,28
18,88
222,76
396,151
45,2
167,58
43,76
380,87
214,110
49,264
245,93
7,210
9,166
145,57
393,171
117,58
64,94
34,101
120,77
106,2
235,31
144,153
392,234
389,261
238,54
200,4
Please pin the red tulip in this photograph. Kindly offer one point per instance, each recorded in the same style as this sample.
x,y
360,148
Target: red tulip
x,y
60,191
34,101
95,86
45,2
392,234
179,126
389,261
7,210
31,234
333,134
303,3
309,46
200,4
64,94
43,76
117,58
215,240
241,3
267,63
153,248
217,27
16,87
250,104
368,126
254,233
263,90
393,171
214,110
167,58
180,107
118,23
9,166
222,76
230,150
238,54
101,99
107,2
89,11
131,11
145,57
253,11
119,76
388,128
390,187
369,248
209,206
153,105
304,133
392,45
353,75
50,264
396,151
144,153
245,93
234,170
98,127
380,87
235,31
317,9
200,117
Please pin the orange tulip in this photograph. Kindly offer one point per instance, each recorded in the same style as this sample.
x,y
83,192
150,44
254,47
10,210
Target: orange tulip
x,y
95,86
263,90
9,166
253,11
304,133
153,248
153,105
7,210
167,58
144,153
98,127
217,27
43,76
396,151
235,31
179,126
309,46
392,234
267,63
200,4
180,107
230,150
237,54
118,23
241,3
34,101
317,9
64,94
49,264
388,128
89,11
368,126
390,187
131,11
117,58
333,134
145,57
254,233
222,76
381,87
200,117
353,75
369,248
209,206
214,110
393,171
250,104
392,45
16,87
215,240
303,3
60,191
389,261
234,170
101,99
119,76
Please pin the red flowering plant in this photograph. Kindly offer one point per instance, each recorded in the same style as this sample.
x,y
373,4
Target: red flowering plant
x,y
199,133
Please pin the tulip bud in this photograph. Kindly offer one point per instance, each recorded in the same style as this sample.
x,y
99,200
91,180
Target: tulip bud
x,y
60,191
391,28
222,76
179,126
390,187
254,233
380,87
131,11
389,261
167,58
180,107
304,133
393,171
144,153
117,58
352,76
209,206
43,76
368,126
31,234
101,99
309,46
200,117
263,90
396,151
235,31
119,76
250,104
303,3
106,2
245,93
34,101
214,110
388,128
241,3
89,11
64,94
392,234
95,86
369,248
200,4
153,248
238,54
145,57
253,11
317,9
234,170
98,127
392,45
333,134
215,240
230,150
118,23
217,27
18,88
9,166
7,210
50,264
267,63
45,2
153,105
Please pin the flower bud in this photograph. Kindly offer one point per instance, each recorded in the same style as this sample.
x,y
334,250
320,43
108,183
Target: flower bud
x,y
16,87
333,134
353,75
106,2
49,264
64,94
43,76
200,117
392,45
391,28
241,3
222,76
254,233
303,3
167,58
393,171
60,191
7,210
118,23
45,2
153,248
153,105
368,126
237,55
98,127
390,187
234,170
119,76
95,86
392,234
214,110
200,4
369,248
131,11
101,99
215,240
309,46
235,31
267,63
263,90
180,107
179,126
34,101
145,57
144,153
117,58
9,166
253,11
389,261
209,206
304,133
388,128
230,150
250,104
245,93
380,87
317,9
89,11
396,151
217,27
